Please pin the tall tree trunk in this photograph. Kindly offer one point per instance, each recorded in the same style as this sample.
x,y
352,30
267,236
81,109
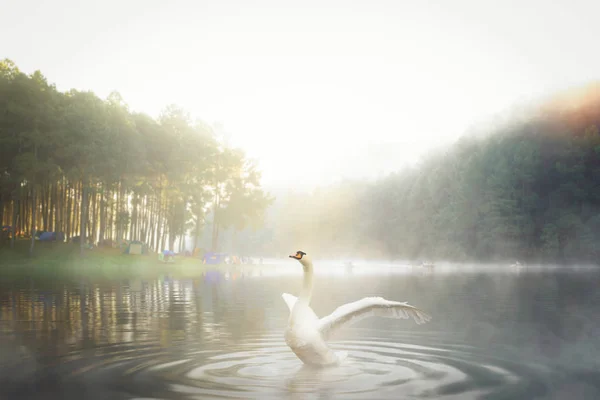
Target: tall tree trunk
x,y
15,218
133,223
1,211
111,221
83,217
117,211
102,214
62,206
172,237
22,212
33,221
68,211
158,220
124,210
164,229
52,206
76,207
94,217
143,219
44,204
151,224
45,197
154,224
181,227
119,215
33,205
162,223
111,217
140,218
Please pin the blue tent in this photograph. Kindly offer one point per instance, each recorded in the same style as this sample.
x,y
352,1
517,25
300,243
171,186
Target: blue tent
x,y
51,236
167,256
47,236
214,258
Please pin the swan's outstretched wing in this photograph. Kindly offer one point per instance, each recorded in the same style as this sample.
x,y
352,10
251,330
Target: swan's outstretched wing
x,y
369,307
289,300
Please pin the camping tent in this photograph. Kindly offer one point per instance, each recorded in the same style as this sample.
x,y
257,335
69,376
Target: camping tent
x,y
214,258
167,256
136,247
6,232
51,236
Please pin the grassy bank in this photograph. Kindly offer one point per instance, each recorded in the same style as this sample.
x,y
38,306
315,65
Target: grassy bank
x,y
63,260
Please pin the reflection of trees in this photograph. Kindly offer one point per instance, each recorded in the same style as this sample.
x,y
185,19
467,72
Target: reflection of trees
x,y
196,298
60,318
235,311
86,318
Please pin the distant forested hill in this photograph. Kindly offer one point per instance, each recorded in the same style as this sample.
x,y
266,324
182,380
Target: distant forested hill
x,y
526,190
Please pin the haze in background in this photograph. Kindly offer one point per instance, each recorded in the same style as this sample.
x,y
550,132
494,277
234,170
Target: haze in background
x,y
358,88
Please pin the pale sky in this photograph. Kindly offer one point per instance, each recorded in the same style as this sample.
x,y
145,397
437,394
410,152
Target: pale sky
x,y
315,90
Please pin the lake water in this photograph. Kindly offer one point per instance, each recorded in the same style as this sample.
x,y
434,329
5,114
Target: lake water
x,y
507,334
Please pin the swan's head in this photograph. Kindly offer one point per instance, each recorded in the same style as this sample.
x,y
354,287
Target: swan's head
x,y
302,258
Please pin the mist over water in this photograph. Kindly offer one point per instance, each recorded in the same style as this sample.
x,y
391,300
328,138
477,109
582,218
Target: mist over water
x,y
495,334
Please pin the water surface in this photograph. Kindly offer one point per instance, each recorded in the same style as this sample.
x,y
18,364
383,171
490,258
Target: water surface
x,y
494,335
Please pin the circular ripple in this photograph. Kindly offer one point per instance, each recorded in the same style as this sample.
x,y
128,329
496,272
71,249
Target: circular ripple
x,y
264,367
373,368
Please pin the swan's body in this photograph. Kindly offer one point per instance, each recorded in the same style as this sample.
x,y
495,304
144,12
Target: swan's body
x,y
306,333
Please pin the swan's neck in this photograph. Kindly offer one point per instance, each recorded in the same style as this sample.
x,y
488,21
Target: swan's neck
x,y
306,292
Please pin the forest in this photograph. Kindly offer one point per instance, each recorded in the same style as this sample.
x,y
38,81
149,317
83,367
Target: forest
x,y
524,188
92,169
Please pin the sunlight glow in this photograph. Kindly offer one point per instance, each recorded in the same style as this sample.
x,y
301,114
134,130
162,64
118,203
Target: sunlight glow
x,y
320,91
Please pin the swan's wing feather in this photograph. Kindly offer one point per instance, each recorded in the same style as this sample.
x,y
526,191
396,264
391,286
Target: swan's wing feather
x,y
289,300
369,307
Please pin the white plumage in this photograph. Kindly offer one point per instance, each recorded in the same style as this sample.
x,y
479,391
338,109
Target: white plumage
x,y
306,333
369,307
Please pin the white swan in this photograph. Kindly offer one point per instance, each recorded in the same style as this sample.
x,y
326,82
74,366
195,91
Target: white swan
x,y
306,333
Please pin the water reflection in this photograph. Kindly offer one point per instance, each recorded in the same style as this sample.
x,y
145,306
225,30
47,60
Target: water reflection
x,y
494,335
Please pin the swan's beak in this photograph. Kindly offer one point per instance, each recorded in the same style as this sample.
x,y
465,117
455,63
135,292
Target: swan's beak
x,y
298,256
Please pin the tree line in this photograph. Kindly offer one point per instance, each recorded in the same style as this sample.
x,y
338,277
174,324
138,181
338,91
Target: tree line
x,y
74,163
526,189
